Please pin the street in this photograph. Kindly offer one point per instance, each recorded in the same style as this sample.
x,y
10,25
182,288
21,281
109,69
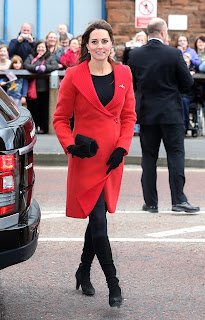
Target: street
x,y
159,257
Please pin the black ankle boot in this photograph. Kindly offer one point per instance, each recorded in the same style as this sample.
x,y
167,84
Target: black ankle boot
x,y
115,297
83,273
83,279
104,255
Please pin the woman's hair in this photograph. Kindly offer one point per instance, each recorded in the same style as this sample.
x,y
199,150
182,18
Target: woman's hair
x,y
4,46
34,50
99,24
57,41
141,33
15,59
202,38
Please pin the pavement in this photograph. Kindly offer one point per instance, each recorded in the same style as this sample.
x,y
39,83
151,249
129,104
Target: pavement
x,y
48,152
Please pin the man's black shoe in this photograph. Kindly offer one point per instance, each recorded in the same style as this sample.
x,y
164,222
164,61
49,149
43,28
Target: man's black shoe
x,y
184,206
152,209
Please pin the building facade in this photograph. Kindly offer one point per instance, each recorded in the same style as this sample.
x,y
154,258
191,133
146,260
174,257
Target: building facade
x,y
45,15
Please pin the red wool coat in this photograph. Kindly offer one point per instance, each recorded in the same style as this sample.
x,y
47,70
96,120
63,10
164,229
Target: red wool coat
x,y
111,126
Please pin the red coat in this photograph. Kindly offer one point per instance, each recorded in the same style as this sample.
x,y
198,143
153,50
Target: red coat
x,y
111,126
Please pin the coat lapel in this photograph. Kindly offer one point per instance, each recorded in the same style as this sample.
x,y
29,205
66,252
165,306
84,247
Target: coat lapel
x,y
83,82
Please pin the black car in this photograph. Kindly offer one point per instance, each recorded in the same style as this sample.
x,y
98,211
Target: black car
x,y
19,214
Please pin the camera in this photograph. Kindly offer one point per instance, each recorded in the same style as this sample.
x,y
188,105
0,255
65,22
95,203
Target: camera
x,y
25,35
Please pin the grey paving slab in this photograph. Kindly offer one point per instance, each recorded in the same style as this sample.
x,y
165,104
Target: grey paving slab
x,y
48,151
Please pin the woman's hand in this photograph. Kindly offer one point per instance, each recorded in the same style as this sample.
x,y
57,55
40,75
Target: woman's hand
x,y
115,159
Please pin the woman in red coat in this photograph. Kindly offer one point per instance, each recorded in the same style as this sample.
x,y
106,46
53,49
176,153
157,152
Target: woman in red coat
x,y
100,93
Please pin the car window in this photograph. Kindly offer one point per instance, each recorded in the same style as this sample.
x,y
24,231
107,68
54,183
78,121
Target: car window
x,y
8,109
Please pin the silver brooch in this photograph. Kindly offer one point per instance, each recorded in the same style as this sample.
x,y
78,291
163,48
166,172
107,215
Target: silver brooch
x,y
121,86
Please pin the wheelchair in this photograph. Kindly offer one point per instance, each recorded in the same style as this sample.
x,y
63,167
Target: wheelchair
x,y
196,113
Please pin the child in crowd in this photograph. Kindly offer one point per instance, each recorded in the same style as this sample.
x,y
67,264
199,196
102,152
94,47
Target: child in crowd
x,y
16,89
4,61
72,55
64,46
62,29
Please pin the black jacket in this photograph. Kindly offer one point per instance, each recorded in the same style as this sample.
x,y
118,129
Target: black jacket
x,y
160,76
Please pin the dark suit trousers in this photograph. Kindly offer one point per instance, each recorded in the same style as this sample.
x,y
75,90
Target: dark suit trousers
x,y
173,139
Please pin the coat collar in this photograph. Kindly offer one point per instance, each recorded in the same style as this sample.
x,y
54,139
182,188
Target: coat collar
x,y
83,82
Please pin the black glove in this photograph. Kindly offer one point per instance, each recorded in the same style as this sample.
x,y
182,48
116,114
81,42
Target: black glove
x,y
76,151
115,158
85,147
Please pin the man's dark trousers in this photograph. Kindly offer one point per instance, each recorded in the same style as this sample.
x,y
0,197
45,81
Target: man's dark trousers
x,y
173,138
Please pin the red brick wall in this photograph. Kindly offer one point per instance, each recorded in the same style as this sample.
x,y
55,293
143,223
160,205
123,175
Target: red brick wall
x,y
121,15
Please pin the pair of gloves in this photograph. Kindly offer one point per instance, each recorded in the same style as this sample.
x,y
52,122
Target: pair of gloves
x,y
86,148
41,68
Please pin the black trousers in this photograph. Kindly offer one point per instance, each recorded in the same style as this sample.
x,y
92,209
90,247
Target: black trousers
x,y
39,109
173,139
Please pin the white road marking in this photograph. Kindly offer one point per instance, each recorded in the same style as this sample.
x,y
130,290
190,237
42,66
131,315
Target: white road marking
x,y
167,240
176,232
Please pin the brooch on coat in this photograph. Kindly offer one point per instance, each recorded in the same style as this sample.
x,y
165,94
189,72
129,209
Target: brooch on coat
x,y
121,86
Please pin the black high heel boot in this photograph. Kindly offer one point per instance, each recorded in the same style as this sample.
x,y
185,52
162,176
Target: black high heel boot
x,y
83,279
83,273
104,255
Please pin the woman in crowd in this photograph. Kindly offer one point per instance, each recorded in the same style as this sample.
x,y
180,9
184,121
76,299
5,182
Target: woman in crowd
x,y
41,60
183,45
100,93
71,57
52,41
4,61
200,47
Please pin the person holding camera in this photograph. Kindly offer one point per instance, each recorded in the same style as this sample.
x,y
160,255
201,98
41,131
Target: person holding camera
x,y
23,44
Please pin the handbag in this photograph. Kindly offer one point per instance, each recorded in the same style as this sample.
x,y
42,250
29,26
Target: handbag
x,y
89,146
32,92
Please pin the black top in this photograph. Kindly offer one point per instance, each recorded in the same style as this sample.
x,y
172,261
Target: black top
x,y
104,86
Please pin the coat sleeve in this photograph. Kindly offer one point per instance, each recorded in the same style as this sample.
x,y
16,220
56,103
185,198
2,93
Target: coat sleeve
x,y
27,64
51,64
64,110
128,118
185,80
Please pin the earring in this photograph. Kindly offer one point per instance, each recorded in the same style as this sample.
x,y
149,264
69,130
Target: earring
x,y
88,51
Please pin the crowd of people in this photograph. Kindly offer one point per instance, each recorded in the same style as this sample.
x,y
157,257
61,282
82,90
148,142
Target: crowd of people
x,y
62,50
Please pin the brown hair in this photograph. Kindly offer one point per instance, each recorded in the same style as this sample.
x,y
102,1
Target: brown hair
x,y
57,41
14,60
99,24
202,38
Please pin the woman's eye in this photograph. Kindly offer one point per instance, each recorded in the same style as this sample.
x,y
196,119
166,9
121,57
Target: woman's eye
x,y
94,41
104,41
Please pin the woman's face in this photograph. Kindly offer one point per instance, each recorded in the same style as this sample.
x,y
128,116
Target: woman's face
x,y
141,39
3,53
183,42
41,49
74,45
200,44
51,40
99,44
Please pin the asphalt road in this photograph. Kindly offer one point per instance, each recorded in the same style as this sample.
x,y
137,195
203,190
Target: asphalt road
x,y
159,257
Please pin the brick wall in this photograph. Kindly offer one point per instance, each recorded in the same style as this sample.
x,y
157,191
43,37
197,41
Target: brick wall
x,y
121,15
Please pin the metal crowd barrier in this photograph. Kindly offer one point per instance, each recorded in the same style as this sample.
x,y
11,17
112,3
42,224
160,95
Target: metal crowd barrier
x,y
54,77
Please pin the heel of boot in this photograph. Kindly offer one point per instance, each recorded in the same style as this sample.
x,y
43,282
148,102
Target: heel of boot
x,y
77,283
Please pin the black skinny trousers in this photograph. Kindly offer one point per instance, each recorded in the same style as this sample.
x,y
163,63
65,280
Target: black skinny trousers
x,y
97,219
